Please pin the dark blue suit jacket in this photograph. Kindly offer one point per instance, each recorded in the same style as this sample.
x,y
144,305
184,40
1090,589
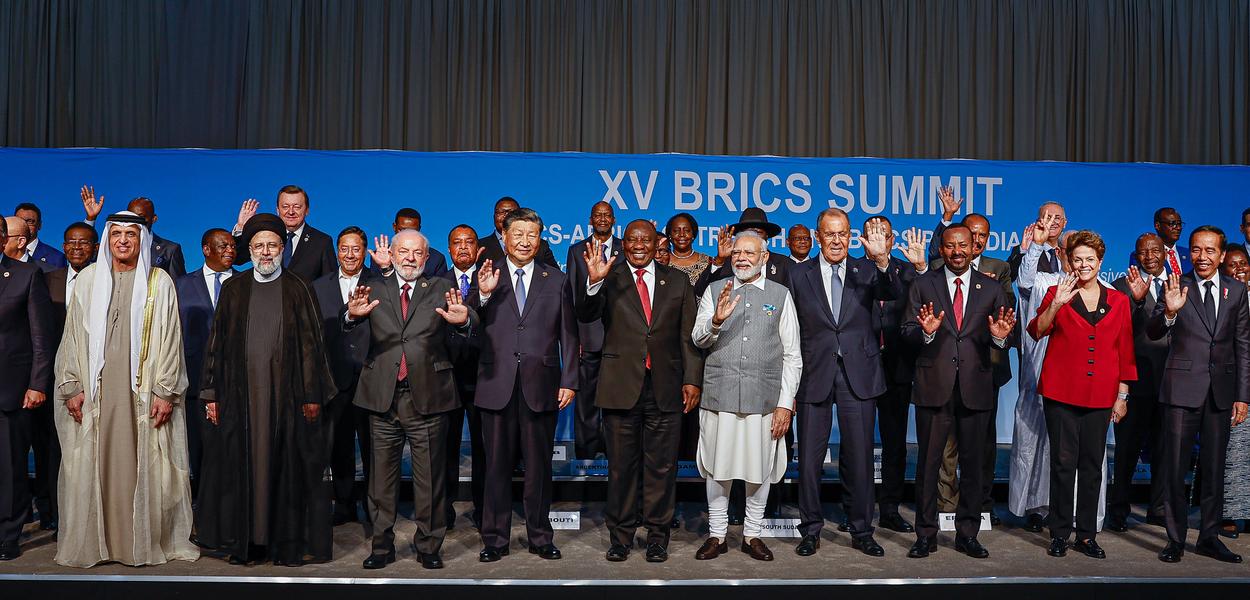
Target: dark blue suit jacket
x,y
168,255
538,346
346,350
48,258
589,334
1202,355
855,333
195,312
25,333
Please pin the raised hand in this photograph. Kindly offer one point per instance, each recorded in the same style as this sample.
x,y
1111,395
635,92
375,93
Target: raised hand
x,y
1026,239
565,397
1137,286
876,241
596,267
914,252
381,252
456,313
725,244
487,277
1065,290
1005,322
1041,229
930,322
247,211
1174,295
161,410
358,304
950,204
89,203
725,305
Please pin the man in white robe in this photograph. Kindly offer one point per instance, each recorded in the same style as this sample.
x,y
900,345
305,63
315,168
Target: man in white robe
x,y
120,373
750,377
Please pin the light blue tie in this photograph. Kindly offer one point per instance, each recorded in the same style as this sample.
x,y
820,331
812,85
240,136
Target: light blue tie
x,y
520,290
216,288
835,293
464,284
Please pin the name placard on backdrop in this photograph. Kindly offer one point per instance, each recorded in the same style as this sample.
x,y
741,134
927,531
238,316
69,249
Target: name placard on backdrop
x,y
946,521
780,528
570,520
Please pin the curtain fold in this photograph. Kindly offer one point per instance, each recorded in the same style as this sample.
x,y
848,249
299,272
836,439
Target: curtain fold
x,y
1114,80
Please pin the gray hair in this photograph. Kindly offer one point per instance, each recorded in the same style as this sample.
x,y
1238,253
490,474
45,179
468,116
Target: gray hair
x,y
410,233
748,234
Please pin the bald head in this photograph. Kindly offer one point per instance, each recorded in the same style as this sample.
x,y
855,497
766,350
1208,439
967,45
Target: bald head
x,y
144,208
18,234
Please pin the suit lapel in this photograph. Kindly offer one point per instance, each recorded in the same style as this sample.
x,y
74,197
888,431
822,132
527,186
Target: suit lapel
x,y
5,273
391,291
1195,298
944,299
1222,312
537,281
659,294
201,288
815,279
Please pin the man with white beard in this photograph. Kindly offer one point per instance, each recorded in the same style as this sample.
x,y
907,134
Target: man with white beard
x,y
750,377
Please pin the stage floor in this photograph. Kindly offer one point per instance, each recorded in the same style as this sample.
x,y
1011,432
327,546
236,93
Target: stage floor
x,y
1014,554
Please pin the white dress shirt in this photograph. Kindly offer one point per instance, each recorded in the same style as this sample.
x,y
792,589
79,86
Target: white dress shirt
x,y
469,274
648,277
71,277
826,270
31,246
966,278
705,335
347,284
209,275
295,239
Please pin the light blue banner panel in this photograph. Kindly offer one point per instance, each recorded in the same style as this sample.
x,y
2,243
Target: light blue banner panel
x,y
197,189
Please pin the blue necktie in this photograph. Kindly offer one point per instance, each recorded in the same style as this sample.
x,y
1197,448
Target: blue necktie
x,y
835,293
605,252
520,290
464,284
216,288
1158,289
286,249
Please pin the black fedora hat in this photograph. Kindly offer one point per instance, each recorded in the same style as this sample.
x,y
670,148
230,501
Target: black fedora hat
x,y
755,218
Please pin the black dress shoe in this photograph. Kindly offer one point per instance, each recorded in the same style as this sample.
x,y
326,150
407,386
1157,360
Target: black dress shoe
x,y
1216,549
492,554
1172,553
808,545
868,546
1034,523
546,552
895,522
656,553
1230,530
1116,524
971,547
1089,548
378,561
618,553
995,520
1058,547
430,561
922,548
9,551
844,525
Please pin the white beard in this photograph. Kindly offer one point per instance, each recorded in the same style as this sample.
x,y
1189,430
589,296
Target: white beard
x,y
749,273
264,268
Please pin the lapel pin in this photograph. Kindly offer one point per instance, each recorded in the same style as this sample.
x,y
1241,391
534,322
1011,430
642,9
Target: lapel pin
x,y
1102,311
158,247
769,309
772,269
423,284
1226,293
854,269
661,281
978,286
544,273
45,259
6,274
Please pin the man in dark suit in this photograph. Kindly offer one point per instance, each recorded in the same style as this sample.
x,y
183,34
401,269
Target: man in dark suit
x,y
1169,227
346,352
651,373
463,249
527,374
25,376
1139,428
1205,387
587,421
948,488
954,384
493,245
45,256
197,302
307,252
799,241
166,254
408,387
834,297
409,218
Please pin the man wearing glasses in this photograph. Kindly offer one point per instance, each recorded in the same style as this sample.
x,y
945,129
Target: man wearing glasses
x,y
1169,226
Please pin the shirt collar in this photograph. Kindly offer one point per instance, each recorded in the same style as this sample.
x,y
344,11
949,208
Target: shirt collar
x,y
400,280
528,268
824,262
208,271
343,275
951,276
1215,277
31,246
298,234
469,272
650,268
759,282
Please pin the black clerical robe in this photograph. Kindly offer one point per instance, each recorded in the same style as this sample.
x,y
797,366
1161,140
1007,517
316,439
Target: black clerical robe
x,y
298,523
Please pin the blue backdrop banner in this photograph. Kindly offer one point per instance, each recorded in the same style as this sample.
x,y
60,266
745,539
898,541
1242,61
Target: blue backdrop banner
x,y
197,189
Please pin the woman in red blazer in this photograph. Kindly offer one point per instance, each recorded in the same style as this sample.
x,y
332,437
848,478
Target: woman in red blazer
x,y
1088,363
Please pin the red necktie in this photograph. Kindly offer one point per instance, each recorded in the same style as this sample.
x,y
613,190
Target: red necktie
x,y
1172,262
959,304
645,297
403,309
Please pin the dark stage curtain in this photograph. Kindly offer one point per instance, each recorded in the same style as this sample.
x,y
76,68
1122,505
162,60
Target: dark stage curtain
x,y
1109,80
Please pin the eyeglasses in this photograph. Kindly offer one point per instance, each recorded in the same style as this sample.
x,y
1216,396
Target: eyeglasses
x,y
78,243
1173,224
257,247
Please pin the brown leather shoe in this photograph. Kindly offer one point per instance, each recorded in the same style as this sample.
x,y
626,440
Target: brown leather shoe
x,y
757,549
712,548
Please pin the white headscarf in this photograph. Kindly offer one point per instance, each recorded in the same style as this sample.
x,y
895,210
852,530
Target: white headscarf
x,y
102,289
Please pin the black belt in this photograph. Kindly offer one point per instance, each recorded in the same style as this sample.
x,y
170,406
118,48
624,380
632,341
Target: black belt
x,y
402,386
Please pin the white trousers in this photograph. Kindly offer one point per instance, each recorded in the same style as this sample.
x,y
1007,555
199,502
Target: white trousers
x,y
718,508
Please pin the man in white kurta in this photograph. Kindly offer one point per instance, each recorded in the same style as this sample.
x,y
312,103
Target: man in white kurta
x,y
751,374
124,485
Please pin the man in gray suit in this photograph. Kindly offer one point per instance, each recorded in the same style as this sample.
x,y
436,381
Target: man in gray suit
x,y
410,319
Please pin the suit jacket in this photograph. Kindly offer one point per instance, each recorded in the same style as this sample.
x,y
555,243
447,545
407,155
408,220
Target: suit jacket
x,y
314,255
48,258
854,332
777,270
493,251
589,334
465,350
25,340
955,355
56,294
1085,363
628,339
1150,354
1001,272
195,312
167,255
346,350
897,358
1206,356
537,346
422,338
1182,256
